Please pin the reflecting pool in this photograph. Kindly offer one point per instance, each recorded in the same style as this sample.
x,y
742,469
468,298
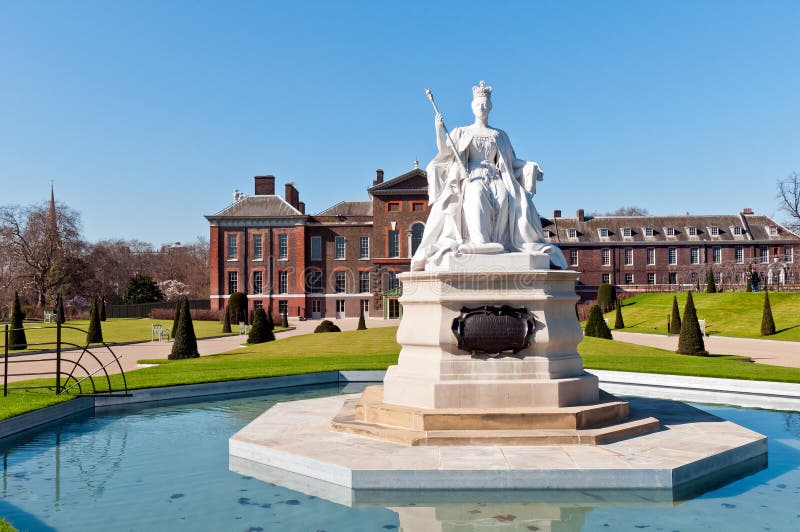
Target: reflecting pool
x,y
165,467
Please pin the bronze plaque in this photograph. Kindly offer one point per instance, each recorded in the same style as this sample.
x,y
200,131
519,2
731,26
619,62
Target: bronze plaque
x,y
492,330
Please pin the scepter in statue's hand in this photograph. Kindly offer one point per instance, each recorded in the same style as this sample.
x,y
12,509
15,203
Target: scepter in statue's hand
x,y
440,120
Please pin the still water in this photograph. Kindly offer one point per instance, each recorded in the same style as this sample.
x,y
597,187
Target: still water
x,y
166,467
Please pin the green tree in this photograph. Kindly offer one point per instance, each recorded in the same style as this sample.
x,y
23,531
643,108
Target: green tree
x,y
362,324
185,344
690,341
767,323
260,331
226,319
102,309
16,337
285,320
675,319
95,333
619,323
606,296
177,318
711,283
142,289
596,326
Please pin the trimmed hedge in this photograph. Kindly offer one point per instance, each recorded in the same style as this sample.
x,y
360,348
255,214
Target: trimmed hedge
x,y
327,326
185,344
606,296
675,319
767,323
16,337
596,325
95,333
261,331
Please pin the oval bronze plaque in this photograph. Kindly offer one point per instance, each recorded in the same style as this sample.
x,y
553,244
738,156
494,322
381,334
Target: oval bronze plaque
x,y
493,330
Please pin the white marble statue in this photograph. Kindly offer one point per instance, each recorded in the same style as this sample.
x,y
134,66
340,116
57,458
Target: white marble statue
x,y
480,194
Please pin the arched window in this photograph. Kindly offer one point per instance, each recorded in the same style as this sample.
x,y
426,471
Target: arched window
x,y
416,236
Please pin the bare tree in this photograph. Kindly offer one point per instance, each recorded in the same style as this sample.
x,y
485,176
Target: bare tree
x,y
625,211
34,245
789,197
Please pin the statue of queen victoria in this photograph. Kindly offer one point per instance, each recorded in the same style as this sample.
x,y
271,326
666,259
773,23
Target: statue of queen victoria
x,y
481,195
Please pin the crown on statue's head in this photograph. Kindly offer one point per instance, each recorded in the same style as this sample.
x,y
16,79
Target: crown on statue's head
x,y
481,91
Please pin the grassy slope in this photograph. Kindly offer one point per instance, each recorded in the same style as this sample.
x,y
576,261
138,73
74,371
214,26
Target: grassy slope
x,y
377,349
726,314
117,330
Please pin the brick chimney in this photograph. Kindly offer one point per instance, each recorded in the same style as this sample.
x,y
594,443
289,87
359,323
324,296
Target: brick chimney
x,y
557,213
378,177
265,185
747,210
580,216
292,196
301,207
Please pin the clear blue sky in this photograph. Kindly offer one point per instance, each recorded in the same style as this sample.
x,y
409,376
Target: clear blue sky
x,y
147,114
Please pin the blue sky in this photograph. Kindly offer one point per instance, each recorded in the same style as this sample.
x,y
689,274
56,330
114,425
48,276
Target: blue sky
x,y
148,114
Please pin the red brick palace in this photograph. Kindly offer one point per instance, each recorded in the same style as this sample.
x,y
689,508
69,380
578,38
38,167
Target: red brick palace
x,y
348,256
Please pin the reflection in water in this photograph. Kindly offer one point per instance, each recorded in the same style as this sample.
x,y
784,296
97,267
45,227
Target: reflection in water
x,y
454,510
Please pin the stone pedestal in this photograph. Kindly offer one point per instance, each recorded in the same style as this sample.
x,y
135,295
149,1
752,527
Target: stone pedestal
x,y
433,373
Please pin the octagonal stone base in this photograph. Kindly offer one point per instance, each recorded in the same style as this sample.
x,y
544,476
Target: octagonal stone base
x,y
691,445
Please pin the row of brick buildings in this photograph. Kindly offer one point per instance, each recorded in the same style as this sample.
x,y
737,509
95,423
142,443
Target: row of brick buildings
x,y
347,257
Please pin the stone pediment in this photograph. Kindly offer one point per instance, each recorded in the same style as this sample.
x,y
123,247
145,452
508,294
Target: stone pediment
x,y
413,182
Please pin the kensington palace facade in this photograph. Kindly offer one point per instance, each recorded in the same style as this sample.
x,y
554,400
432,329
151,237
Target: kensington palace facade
x,y
346,258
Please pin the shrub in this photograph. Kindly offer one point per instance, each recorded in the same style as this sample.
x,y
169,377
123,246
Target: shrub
x,y
237,306
202,314
177,318
606,296
16,337
259,332
102,309
95,333
767,323
284,320
185,344
596,326
619,323
327,326
691,339
711,284
270,321
675,319
226,319
362,324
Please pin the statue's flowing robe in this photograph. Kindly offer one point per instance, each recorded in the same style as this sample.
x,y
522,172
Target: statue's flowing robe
x,y
445,230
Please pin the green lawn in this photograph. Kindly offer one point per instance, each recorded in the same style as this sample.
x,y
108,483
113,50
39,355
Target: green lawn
x,y
5,526
116,330
726,314
376,349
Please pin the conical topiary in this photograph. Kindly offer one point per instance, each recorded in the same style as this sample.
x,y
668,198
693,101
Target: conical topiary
x,y
237,305
691,339
285,320
362,324
95,333
675,319
102,309
259,332
711,284
185,344
767,323
16,336
177,318
61,317
226,319
619,323
596,326
270,321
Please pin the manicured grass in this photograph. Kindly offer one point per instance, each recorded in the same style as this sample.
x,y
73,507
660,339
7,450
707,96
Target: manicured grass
x,y
5,526
116,330
376,349
727,314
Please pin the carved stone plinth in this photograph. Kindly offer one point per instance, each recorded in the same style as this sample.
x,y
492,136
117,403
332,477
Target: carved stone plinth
x,y
433,373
